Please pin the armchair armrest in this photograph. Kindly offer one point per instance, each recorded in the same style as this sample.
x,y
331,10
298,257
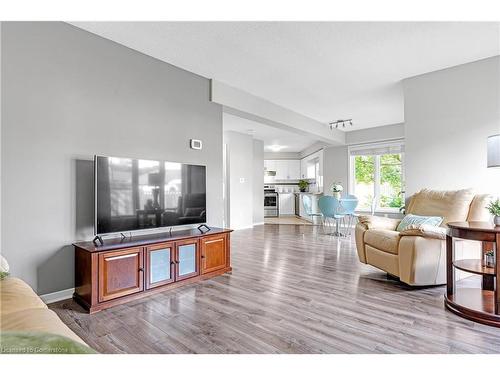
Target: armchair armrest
x,y
378,222
427,231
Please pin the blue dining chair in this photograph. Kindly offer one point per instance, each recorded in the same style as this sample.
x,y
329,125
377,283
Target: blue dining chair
x,y
307,203
348,208
331,209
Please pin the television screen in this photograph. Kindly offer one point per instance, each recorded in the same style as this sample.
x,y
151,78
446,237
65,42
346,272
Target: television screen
x,y
132,194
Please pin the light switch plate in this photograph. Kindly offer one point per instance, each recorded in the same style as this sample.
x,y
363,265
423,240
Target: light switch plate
x,y
242,180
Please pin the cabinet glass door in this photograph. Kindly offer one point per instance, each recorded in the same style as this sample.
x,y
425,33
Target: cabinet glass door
x,y
159,266
187,260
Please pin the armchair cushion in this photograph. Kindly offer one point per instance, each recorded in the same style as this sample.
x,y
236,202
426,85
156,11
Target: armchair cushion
x,y
477,210
451,205
383,239
378,222
424,230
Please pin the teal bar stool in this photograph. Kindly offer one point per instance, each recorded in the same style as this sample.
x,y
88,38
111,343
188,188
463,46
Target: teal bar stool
x,y
331,209
307,203
348,206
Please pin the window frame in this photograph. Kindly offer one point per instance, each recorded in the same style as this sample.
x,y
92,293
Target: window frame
x,y
376,174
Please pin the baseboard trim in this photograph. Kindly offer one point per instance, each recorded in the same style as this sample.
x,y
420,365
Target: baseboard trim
x,y
260,223
57,296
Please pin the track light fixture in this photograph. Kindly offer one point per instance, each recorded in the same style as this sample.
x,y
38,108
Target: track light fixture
x,y
337,123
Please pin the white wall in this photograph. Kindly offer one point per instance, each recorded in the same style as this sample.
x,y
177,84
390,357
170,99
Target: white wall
x,y
66,95
336,159
258,182
282,156
379,133
1,25
335,167
312,149
240,169
448,116
243,104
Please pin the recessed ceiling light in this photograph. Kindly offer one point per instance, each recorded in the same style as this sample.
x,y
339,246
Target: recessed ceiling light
x,y
276,148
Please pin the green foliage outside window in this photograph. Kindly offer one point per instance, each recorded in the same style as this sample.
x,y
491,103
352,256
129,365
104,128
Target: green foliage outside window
x,y
364,169
390,170
390,174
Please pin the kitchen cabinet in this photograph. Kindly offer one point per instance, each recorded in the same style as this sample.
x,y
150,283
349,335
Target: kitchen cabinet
x,y
294,169
311,167
314,206
281,169
285,169
269,165
287,204
303,168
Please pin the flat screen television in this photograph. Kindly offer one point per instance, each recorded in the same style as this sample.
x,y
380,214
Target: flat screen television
x,y
135,194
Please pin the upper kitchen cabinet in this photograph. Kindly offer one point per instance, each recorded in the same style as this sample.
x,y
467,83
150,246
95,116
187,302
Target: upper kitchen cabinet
x,y
311,167
269,171
269,165
294,169
281,170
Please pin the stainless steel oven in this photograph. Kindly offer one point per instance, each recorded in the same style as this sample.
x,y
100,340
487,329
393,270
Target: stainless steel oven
x,y
271,202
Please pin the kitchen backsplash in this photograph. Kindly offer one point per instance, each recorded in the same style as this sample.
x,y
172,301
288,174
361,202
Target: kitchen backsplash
x,y
292,187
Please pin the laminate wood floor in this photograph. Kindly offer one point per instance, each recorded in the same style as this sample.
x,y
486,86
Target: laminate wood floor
x,y
292,290
294,220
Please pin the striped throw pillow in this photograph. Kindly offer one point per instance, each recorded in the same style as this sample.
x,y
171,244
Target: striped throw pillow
x,y
418,220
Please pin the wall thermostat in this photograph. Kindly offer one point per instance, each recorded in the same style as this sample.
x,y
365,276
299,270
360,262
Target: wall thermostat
x,y
196,144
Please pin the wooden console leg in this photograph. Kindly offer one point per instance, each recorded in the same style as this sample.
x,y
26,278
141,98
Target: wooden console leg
x,y
497,278
449,265
488,282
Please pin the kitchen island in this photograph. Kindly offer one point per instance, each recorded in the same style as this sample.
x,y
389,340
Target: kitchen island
x,y
299,206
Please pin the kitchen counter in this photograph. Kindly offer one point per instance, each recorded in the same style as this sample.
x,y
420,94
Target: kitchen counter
x,y
314,205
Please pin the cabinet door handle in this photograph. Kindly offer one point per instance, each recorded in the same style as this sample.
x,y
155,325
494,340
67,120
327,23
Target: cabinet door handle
x,y
121,257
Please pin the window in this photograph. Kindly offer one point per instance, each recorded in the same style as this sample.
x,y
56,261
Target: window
x,y
377,176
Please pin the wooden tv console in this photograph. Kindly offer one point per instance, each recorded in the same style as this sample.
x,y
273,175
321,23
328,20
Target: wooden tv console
x,y
124,269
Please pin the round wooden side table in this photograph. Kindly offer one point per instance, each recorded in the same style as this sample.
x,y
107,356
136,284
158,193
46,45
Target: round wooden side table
x,y
477,304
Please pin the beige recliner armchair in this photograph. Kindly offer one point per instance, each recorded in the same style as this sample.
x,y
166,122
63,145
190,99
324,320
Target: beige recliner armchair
x,y
417,255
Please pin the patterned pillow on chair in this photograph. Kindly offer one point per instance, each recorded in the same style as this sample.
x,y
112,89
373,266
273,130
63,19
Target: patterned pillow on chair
x,y
418,220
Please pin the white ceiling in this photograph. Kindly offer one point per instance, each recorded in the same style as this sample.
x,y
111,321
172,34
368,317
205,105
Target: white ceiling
x,y
289,142
324,70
